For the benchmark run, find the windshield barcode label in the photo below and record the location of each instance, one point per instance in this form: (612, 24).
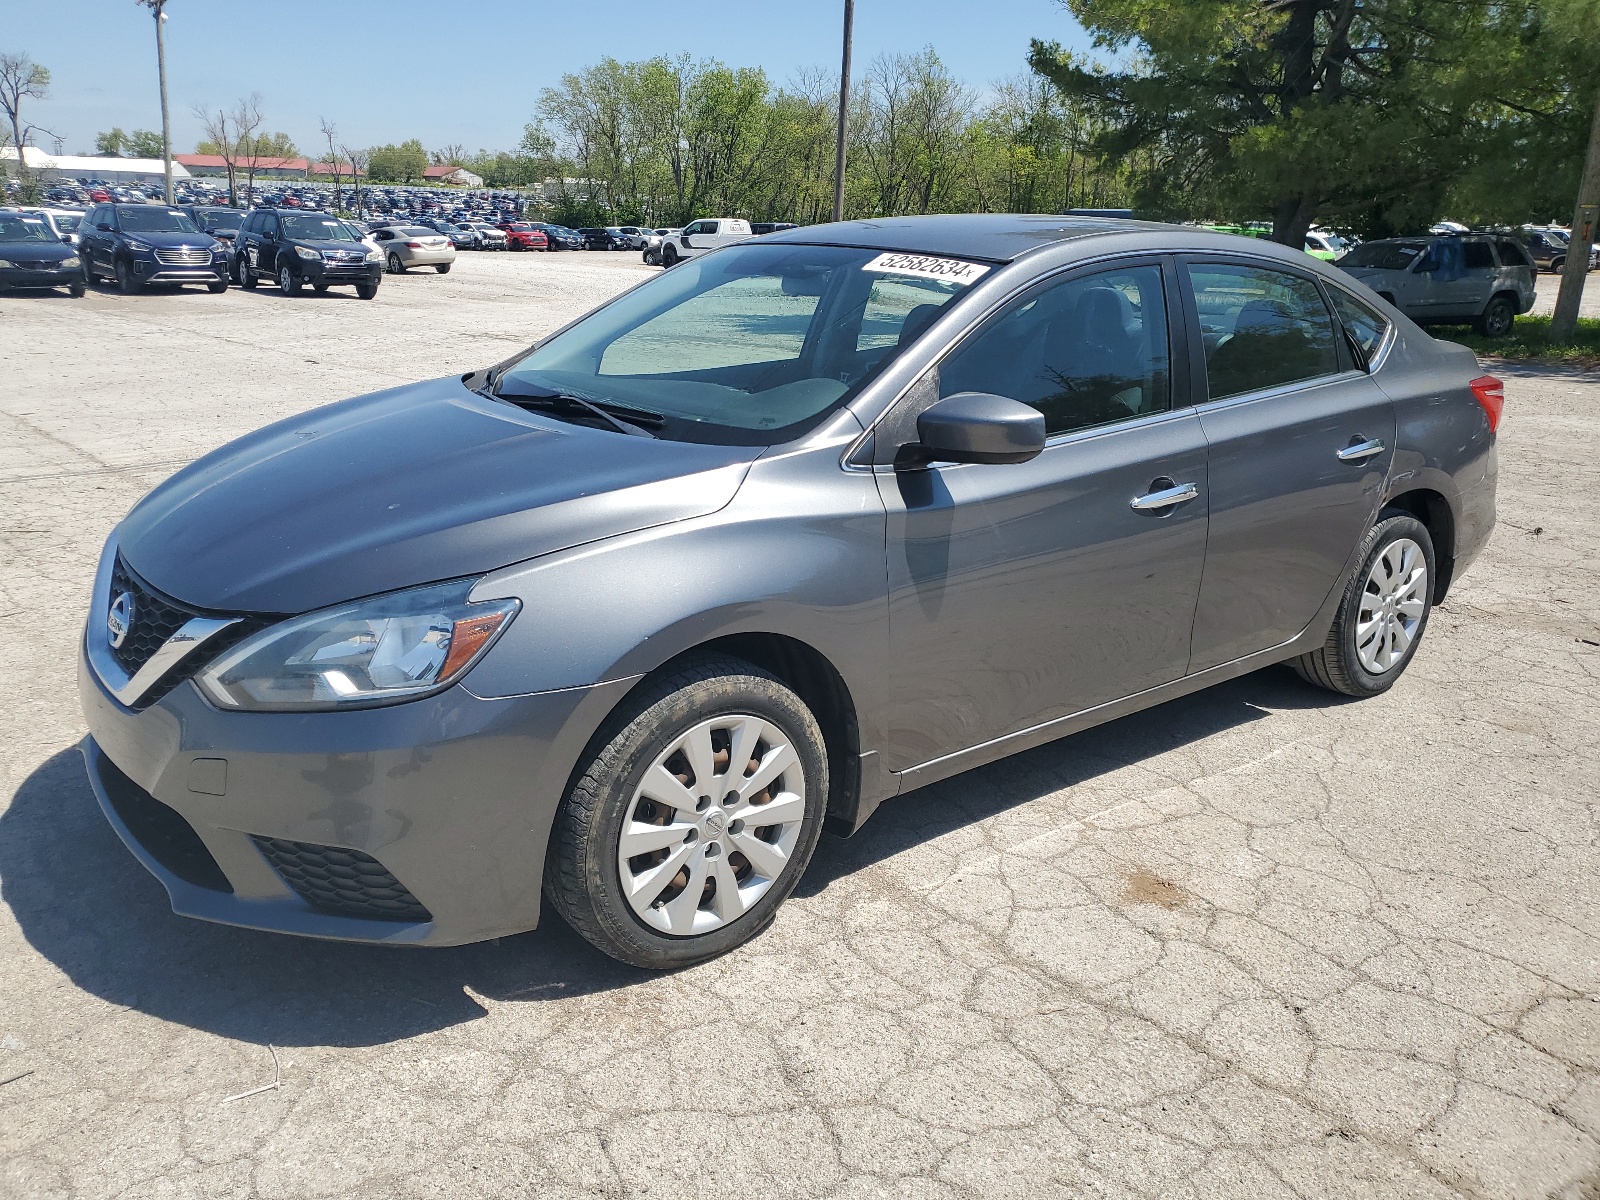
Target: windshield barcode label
(925, 266)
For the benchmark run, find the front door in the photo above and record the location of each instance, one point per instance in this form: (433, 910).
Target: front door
(1301, 441)
(1025, 592)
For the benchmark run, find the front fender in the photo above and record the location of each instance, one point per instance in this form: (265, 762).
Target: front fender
(798, 552)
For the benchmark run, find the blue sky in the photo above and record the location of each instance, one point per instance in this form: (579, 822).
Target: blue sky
(446, 71)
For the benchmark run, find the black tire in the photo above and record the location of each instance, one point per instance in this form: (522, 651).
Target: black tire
(582, 878)
(288, 281)
(1336, 665)
(669, 255)
(77, 288)
(442, 268)
(320, 286)
(126, 280)
(396, 267)
(366, 290)
(1497, 318)
(217, 288)
(90, 275)
(247, 277)
(1557, 265)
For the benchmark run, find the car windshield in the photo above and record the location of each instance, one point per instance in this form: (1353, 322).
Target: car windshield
(1386, 256)
(749, 346)
(307, 228)
(518, 227)
(24, 229)
(145, 219)
(227, 218)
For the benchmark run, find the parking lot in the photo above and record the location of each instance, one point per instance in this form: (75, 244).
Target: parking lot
(1256, 943)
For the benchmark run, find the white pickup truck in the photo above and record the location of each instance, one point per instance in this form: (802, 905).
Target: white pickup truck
(699, 236)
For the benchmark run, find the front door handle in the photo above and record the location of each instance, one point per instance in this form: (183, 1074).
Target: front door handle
(1167, 495)
(1359, 451)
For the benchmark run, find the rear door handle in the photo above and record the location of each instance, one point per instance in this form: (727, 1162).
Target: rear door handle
(1167, 497)
(1361, 451)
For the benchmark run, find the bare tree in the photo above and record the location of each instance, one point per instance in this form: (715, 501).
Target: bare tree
(331, 132)
(358, 167)
(21, 79)
(453, 155)
(222, 133)
(246, 120)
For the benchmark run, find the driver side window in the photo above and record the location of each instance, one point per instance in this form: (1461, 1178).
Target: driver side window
(1092, 350)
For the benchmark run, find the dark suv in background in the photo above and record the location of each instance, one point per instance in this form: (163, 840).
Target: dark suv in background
(296, 248)
(220, 222)
(139, 244)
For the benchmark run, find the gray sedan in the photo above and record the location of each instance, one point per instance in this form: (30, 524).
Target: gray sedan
(622, 622)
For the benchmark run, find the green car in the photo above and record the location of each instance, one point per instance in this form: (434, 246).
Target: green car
(1324, 245)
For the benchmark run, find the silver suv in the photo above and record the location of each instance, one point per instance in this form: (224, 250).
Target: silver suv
(1449, 280)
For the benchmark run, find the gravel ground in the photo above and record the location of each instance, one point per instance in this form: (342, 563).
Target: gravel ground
(1548, 285)
(1256, 943)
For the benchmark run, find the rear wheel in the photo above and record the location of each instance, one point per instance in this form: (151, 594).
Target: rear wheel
(1497, 319)
(442, 268)
(90, 275)
(77, 288)
(694, 821)
(1383, 614)
(247, 277)
(288, 281)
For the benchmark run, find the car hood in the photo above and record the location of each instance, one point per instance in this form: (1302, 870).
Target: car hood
(167, 241)
(37, 251)
(408, 486)
(328, 244)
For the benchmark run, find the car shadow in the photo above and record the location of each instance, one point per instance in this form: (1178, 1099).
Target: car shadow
(926, 813)
(85, 904)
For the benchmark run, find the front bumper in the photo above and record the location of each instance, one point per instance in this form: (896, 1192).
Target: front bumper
(23, 277)
(448, 802)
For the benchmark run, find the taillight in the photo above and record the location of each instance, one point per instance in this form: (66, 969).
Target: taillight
(413, 245)
(1491, 396)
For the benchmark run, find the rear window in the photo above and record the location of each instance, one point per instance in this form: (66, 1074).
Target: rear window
(1365, 327)
(1513, 255)
(1478, 256)
(1385, 256)
(416, 231)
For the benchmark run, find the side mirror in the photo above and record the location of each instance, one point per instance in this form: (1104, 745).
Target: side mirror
(66, 239)
(104, 226)
(978, 427)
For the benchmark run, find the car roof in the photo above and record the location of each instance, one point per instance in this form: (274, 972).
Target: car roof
(998, 237)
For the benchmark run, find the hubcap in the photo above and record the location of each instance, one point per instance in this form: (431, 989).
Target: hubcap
(712, 825)
(284, 279)
(1393, 603)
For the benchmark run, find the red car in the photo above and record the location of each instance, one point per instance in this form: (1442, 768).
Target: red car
(522, 236)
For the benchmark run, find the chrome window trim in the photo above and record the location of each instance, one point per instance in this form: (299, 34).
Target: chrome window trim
(1282, 389)
(128, 690)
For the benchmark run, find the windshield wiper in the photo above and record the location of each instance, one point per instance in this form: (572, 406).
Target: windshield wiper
(621, 417)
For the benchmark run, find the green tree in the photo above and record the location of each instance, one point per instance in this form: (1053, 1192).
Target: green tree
(273, 145)
(397, 164)
(1370, 114)
(114, 143)
(144, 143)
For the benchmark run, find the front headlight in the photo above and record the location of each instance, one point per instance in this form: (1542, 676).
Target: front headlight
(370, 652)
(136, 244)
(71, 261)
(6, 264)
(374, 255)
(314, 255)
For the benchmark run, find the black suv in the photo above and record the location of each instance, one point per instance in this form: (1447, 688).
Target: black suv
(139, 244)
(603, 239)
(220, 221)
(295, 248)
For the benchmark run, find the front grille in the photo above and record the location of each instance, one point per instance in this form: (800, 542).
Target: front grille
(36, 264)
(155, 619)
(346, 883)
(165, 835)
(184, 256)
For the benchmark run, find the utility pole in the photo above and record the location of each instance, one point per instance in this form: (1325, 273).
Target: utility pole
(1564, 325)
(158, 11)
(844, 111)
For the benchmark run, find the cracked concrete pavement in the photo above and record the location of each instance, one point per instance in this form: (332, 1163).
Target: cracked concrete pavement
(1256, 943)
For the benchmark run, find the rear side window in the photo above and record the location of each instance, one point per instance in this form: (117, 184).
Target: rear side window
(1366, 327)
(1089, 351)
(1478, 256)
(1513, 255)
(1262, 328)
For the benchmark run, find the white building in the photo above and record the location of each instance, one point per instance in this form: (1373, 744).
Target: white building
(85, 166)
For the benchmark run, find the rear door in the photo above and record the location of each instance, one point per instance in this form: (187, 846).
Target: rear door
(1300, 438)
(1466, 296)
(1024, 592)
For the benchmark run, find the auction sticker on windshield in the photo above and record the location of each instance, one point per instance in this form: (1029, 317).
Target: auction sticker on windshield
(926, 266)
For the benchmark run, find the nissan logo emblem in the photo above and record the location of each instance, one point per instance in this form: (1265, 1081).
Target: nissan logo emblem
(119, 620)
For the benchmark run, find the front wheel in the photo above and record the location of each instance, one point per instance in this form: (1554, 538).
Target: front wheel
(217, 288)
(77, 288)
(1382, 615)
(126, 280)
(1497, 319)
(396, 267)
(442, 268)
(669, 256)
(694, 821)
(366, 291)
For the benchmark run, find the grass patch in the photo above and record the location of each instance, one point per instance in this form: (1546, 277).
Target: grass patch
(1529, 342)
